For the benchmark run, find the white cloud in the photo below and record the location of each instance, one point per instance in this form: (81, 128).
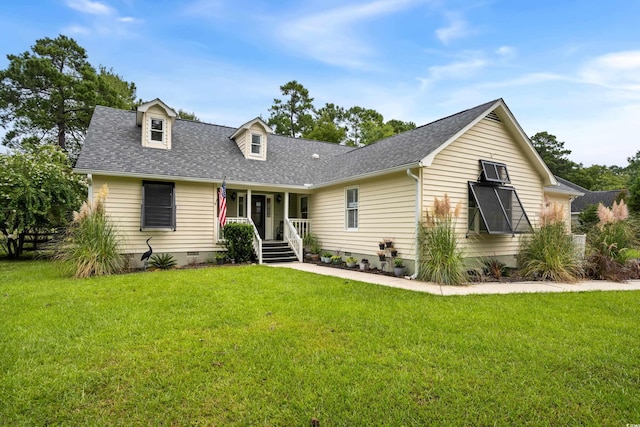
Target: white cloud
(618, 70)
(506, 51)
(90, 7)
(127, 19)
(330, 36)
(462, 69)
(458, 28)
(75, 29)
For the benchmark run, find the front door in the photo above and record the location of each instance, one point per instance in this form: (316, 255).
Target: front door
(258, 213)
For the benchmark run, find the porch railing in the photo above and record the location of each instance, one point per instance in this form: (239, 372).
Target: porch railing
(294, 239)
(257, 241)
(302, 226)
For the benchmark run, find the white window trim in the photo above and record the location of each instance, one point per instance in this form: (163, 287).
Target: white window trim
(152, 142)
(347, 208)
(251, 145)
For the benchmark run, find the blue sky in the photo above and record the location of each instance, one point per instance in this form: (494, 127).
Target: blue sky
(571, 68)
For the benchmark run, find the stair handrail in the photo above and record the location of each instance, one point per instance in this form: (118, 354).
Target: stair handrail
(257, 241)
(294, 239)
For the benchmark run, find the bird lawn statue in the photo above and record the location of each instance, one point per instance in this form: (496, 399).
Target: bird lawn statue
(147, 255)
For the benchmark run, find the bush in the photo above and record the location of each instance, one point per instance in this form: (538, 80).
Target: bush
(441, 260)
(238, 241)
(162, 261)
(549, 253)
(610, 244)
(92, 244)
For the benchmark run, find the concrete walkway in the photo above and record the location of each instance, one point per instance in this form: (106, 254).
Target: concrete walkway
(475, 288)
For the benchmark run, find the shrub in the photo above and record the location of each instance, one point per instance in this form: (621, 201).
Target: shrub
(610, 244)
(162, 261)
(440, 257)
(238, 241)
(494, 268)
(92, 243)
(549, 252)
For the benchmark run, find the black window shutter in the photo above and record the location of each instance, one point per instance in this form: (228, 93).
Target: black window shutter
(158, 205)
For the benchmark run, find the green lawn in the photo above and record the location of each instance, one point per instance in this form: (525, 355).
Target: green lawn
(267, 346)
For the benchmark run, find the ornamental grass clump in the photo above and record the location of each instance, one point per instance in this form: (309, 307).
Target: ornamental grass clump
(549, 253)
(441, 259)
(610, 243)
(92, 244)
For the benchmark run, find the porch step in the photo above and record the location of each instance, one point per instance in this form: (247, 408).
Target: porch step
(273, 252)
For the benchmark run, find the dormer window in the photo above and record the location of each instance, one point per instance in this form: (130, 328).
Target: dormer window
(156, 120)
(252, 139)
(256, 144)
(157, 130)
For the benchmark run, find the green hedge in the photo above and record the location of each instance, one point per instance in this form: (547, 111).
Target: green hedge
(239, 241)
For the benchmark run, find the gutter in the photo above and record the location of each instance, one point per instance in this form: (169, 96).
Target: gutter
(417, 223)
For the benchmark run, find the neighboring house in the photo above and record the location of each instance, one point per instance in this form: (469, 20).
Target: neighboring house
(164, 174)
(587, 198)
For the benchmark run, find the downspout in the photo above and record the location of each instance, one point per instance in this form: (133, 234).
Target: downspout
(417, 223)
(90, 187)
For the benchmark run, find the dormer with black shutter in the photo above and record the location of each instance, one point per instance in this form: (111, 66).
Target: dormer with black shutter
(156, 120)
(252, 138)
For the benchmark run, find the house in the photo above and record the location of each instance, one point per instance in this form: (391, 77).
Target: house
(585, 198)
(164, 174)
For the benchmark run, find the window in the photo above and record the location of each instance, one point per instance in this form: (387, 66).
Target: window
(494, 172)
(352, 208)
(158, 205)
(156, 130)
(256, 144)
(499, 209)
(242, 206)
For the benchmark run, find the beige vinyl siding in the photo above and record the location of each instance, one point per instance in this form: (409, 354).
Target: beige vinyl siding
(386, 209)
(459, 163)
(195, 216)
(241, 140)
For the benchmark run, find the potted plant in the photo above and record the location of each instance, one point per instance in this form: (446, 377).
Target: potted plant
(398, 267)
(364, 264)
(220, 257)
(315, 249)
(382, 255)
(326, 257)
(394, 253)
(388, 243)
(351, 262)
(336, 260)
(381, 245)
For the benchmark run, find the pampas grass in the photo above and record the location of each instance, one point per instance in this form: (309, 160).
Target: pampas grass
(610, 243)
(92, 244)
(549, 252)
(441, 259)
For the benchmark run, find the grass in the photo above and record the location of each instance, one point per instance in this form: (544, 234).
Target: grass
(265, 346)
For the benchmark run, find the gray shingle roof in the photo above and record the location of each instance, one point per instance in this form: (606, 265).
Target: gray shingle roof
(201, 151)
(593, 198)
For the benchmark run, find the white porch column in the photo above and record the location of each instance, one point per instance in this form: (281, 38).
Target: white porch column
(248, 203)
(286, 215)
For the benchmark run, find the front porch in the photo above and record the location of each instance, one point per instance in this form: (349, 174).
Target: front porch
(274, 216)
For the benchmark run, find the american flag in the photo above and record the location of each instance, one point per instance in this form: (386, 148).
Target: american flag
(222, 203)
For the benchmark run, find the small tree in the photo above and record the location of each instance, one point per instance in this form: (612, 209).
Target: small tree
(238, 241)
(37, 190)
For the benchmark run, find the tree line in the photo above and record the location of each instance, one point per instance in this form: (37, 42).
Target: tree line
(296, 116)
(47, 98)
